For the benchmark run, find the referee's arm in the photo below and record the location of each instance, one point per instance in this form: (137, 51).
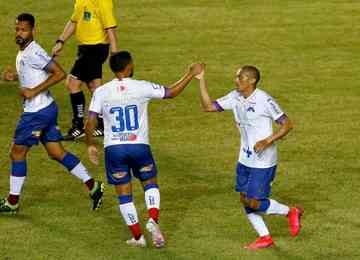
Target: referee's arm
(111, 32)
(69, 30)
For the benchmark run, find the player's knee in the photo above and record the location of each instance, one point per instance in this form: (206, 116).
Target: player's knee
(17, 153)
(253, 203)
(243, 199)
(73, 84)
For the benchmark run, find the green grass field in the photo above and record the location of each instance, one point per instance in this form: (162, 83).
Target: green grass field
(309, 56)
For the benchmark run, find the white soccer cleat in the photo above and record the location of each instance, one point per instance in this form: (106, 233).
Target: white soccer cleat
(156, 235)
(133, 242)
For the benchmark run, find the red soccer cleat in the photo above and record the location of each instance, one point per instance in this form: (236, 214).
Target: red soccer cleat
(294, 220)
(261, 242)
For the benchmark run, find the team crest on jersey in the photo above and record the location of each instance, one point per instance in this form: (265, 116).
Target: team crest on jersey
(121, 88)
(250, 109)
(87, 16)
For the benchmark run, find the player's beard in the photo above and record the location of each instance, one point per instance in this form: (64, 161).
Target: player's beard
(21, 41)
(132, 73)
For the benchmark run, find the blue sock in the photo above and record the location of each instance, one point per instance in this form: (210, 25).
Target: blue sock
(69, 161)
(123, 199)
(150, 186)
(264, 205)
(249, 210)
(18, 168)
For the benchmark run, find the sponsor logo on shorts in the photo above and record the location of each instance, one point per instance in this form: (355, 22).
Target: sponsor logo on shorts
(147, 168)
(124, 137)
(36, 133)
(119, 175)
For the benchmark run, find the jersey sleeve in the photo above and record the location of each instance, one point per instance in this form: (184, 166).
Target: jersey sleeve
(273, 109)
(153, 90)
(95, 103)
(39, 59)
(106, 13)
(76, 15)
(225, 102)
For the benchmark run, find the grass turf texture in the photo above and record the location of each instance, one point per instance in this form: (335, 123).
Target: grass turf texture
(308, 54)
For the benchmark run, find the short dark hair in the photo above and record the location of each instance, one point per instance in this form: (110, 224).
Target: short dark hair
(26, 17)
(251, 71)
(120, 60)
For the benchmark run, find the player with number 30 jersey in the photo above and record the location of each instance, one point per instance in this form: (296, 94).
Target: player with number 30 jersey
(124, 105)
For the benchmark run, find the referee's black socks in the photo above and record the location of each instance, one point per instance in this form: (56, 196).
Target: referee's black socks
(78, 106)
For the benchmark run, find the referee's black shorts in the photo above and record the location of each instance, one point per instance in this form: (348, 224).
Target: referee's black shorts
(89, 61)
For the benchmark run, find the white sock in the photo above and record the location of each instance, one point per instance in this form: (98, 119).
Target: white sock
(129, 214)
(277, 208)
(16, 184)
(81, 172)
(258, 224)
(152, 198)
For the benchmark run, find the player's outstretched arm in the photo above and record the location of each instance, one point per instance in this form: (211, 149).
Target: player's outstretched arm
(206, 103)
(89, 129)
(285, 127)
(68, 31)
(56, 75)
(180, 85)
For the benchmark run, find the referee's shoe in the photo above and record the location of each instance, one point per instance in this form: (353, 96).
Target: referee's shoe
(76, 132)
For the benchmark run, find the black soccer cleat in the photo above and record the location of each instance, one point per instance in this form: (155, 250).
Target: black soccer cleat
(96, 194)
(98, 131)
(74, 133)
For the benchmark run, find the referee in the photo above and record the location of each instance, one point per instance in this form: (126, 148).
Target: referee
(94, 25)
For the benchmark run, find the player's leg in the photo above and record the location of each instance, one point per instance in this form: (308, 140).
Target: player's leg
(144, 168)
(152, 198)
(77, 99)
(128, 212)
(118, 174)
(72, 163)
(98, 56)
(27, 133)
(99, 129)
(261, 181)
(244, 185)
(17, 178)
(51, 139)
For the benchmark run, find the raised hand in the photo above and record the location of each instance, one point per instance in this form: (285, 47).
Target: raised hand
(197, 68)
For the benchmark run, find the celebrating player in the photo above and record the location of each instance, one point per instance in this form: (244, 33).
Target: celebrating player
(37, 72)
(124, 105)
(254, 111)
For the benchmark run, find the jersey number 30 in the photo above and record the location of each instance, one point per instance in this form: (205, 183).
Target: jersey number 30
(125, 118)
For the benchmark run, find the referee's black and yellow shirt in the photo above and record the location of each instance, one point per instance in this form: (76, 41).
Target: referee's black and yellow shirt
(92, 18)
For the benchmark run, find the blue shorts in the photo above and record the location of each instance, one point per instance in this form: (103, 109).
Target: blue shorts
(120, 159)
(38, 126)
(254, 182)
